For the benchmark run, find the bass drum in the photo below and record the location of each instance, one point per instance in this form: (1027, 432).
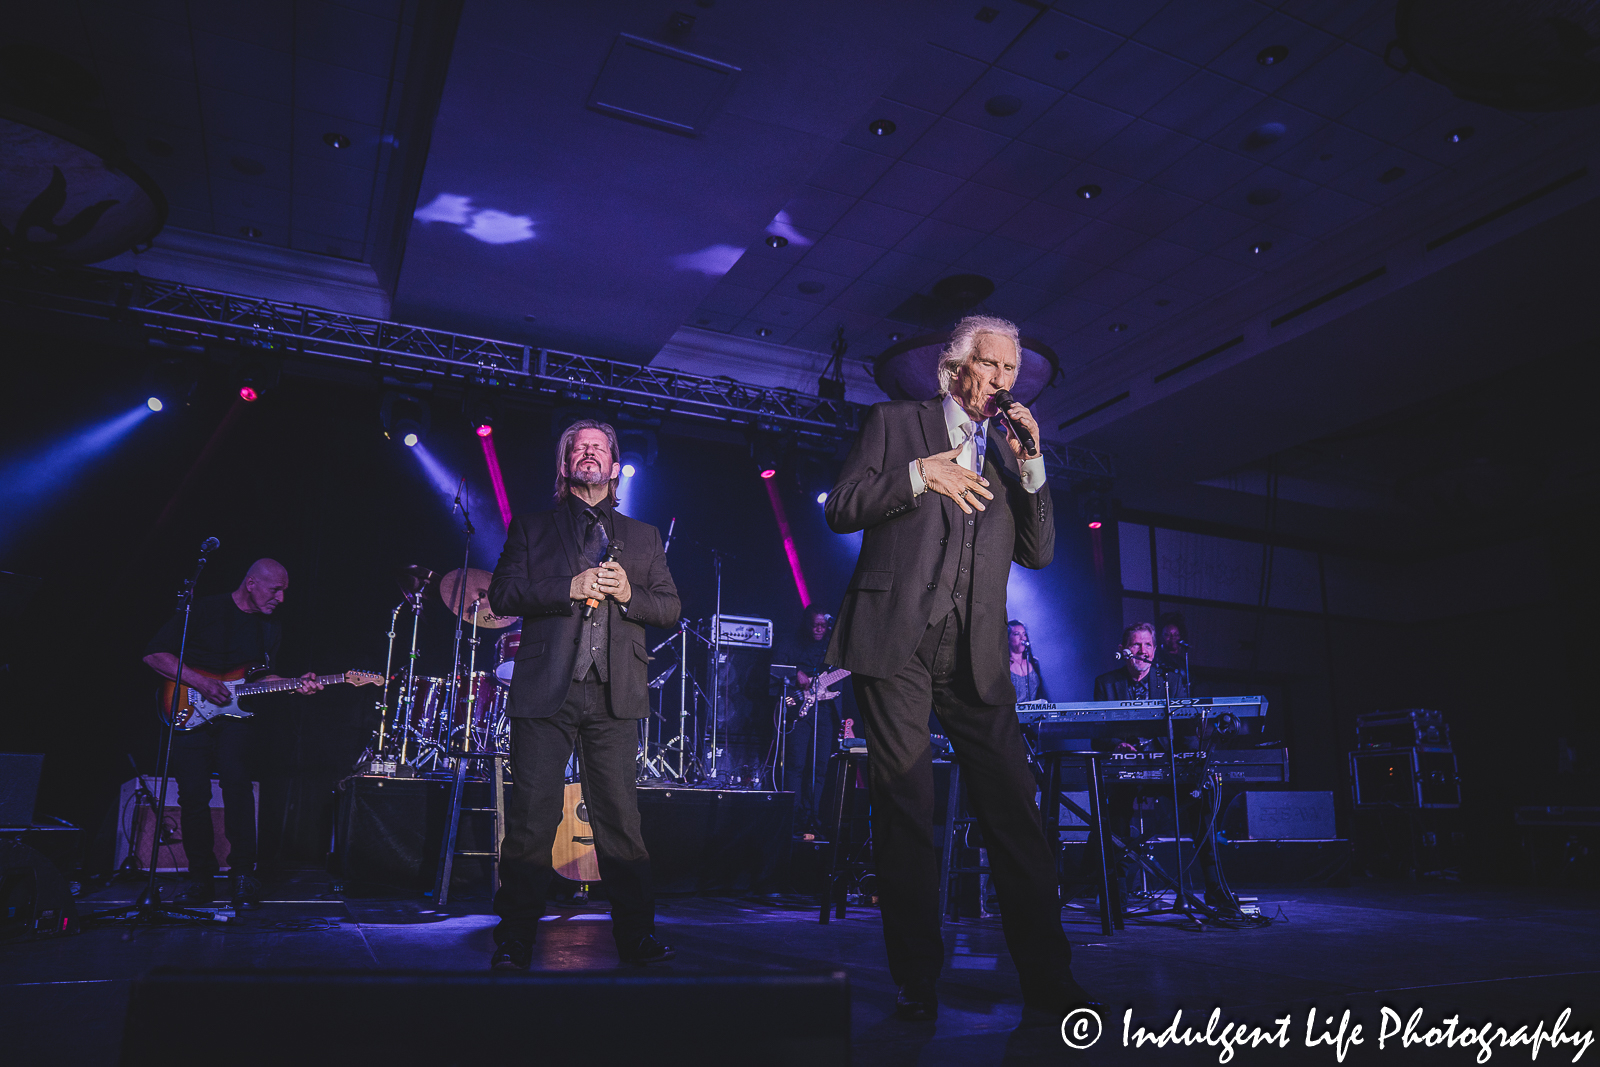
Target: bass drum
(506, 656)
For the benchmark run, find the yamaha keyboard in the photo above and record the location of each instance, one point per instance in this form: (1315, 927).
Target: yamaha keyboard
(1231, 765)
(1115, 711)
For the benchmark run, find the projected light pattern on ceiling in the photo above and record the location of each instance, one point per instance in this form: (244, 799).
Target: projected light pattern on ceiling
(489, 225)
(713, 261)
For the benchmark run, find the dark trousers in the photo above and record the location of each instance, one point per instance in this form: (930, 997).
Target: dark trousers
(806, 751)
(608, 749)
(1000, 788)
(1118, 798)
(220, 746)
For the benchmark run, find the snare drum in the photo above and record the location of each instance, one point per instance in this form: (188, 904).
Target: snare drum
(427, 718)
(506, 650)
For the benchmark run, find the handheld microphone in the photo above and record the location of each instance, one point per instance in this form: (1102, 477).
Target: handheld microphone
(211, 544)
(1003, 399)
(613, 550)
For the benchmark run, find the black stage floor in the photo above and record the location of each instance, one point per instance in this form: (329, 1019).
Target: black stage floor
(1504, 955)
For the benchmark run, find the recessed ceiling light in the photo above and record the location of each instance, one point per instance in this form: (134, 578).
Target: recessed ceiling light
(246, 165)
(336, 140)
(986, 14)
(881, 127)
(1268, 133)
(811, 287)
(1393, 174)
(1275, 54)
(1459, 134)
(1262, 197)
(530, 318)
(1325, 156)
(1063, 54)
(1117, 327)
(702, 322)
(158, 146)
(776, 241)
(249, 231)
(1261, 246)
(1088, 192)
(1003, 106)
(764, 332)
(894, 337)
(1163, 302)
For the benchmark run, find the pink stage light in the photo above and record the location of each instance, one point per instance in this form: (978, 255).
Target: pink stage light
(485, 430)
(788, 540)
(491, 459)
(768, 473)
(247, 393)
(1095, 525)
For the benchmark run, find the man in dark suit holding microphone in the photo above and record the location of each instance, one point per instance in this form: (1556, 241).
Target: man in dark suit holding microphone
(950, 496)
(586, 580)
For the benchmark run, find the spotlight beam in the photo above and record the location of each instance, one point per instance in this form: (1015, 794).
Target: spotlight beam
(491, 459)
(788, 541)
(29, 482)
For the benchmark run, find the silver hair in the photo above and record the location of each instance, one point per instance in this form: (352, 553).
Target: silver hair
(964, 342)
(564, 450)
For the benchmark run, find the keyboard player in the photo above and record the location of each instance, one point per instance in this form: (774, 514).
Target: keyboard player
(1141, 678)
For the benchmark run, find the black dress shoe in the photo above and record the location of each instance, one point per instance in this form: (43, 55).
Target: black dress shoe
(916, 1002)
(511, 956)
(199, 891)
(244, 890)
(648, 950)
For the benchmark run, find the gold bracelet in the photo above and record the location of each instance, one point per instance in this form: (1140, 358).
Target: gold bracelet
(922, 473)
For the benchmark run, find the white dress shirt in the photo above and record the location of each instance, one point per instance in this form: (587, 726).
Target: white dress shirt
(973, 443)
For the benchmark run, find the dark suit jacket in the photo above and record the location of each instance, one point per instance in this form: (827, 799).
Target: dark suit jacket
(891, 595)
(534, 580)
(1113, 685)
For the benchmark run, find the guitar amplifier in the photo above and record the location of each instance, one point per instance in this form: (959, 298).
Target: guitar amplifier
(739, 631)
(1401, 729)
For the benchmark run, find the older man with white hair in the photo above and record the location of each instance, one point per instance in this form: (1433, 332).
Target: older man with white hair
(949, 497)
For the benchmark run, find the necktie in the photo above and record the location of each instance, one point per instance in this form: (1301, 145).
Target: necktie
(595, 540)
(977, 442)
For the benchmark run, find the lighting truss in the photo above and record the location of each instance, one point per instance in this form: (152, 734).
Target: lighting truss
(181, 315)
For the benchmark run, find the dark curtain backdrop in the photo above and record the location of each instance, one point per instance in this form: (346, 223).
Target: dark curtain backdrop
(306, 476)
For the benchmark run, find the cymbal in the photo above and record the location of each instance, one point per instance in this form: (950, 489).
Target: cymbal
(413, 579)
(477, 589)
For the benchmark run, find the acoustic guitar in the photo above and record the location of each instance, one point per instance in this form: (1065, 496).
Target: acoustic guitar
(194, 710)
(572, 856)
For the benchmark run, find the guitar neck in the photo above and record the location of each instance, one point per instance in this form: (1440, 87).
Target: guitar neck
(280, 685)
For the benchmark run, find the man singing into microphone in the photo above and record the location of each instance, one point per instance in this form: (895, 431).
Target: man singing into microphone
(950, 496)
(586, 580)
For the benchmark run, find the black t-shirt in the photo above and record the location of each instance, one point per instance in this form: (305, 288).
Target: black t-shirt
(221, 636)
(803, 652)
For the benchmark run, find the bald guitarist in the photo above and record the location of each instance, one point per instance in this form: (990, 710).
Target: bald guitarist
(229, 635)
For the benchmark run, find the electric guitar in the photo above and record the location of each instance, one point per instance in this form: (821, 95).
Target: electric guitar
(195, 710)
(817, 691)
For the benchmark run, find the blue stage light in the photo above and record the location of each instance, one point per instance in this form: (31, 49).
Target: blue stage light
(154, 403)
(822, 498)
(628, 470)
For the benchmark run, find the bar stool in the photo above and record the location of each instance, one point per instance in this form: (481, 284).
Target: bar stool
(844, 768)
(1050, 813)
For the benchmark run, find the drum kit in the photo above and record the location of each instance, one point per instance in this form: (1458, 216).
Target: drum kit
(424, 720)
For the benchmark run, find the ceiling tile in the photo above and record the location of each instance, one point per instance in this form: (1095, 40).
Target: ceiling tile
(184, 184)
(1492, 130)
(1155, 259)
(1042, 225)
(955, 148)
(1075, 127)
(314, 214)
(221, 153)
(785, 311)
(840, 255)
(334, 90)
(909, 124)
(1101, 243)
(1267, 180)
(1327, 153)
(913, 188)
(1338, 17)
(244, 68)
(761, 330)
(1198, 32)
(187, 219)
(248, 201)
(132, 91)
(729, 299)
(979, 207)
(1339, 81)
(117, 33)
(1205, 172)
(939, 240)
(875, 224)
(831, 285)
(1204, 104)
(934, 78)
(900, 271)
(1070, 314)
(1056, 273)
(813, 208)
(1320, 213)
(1206, 228)
(273, 231)
(344, 37)
(1285, 246)
(1017, 302)
(1250, 137)
(187, 154)
(1305, 44)
(997, 258)
(964, 30)
(310, 128)
(850, 171)
(756, 272)
(1134, 78)
(1364, 181)
(265, 23)
(245, 118)
(1210, 276)
(1163, 301)
(1080, 46)
(1030, 99)
(869, 298)
(1113, 187)
(1150, 210)
(714, 320)
(1118, 16)
(1110, 287)
(1143, 150)
(1023, 169)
